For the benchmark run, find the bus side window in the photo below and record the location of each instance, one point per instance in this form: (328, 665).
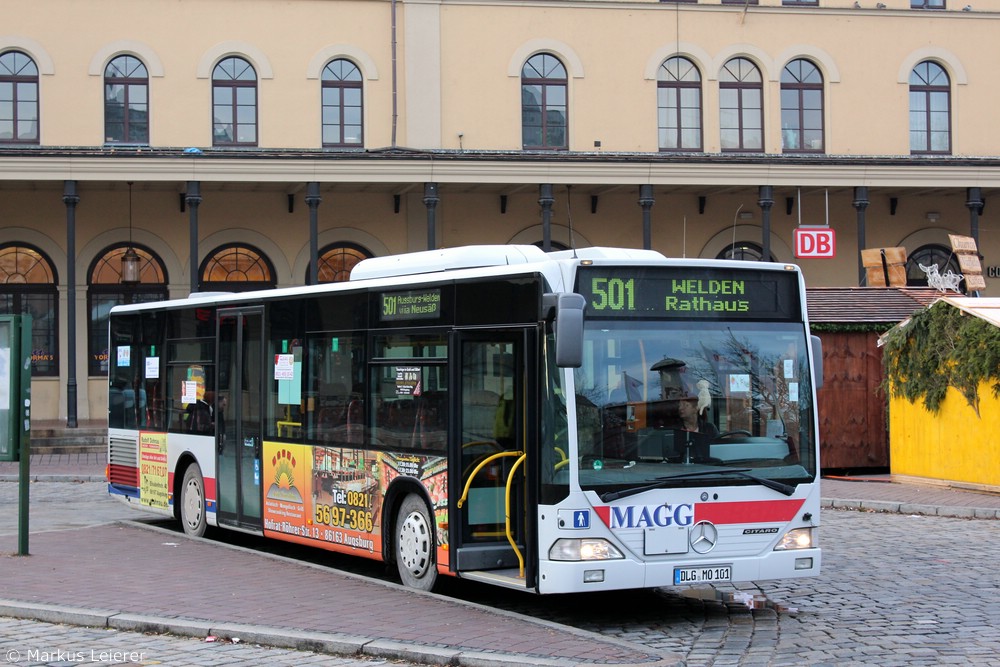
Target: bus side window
(430, 430)
(336, 366)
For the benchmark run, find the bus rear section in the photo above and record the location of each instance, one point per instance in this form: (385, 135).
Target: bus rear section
(695, 450)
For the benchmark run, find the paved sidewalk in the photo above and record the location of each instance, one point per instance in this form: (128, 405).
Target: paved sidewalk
(889, 493)
(140, 578)
(133, 577)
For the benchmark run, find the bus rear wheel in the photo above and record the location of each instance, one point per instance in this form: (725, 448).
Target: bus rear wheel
(193, 502)
(415, 544)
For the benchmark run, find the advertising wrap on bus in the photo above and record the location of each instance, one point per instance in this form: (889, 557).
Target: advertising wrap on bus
(334, 495)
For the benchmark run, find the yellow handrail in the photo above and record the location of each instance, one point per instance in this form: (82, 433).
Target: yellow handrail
(472, 476)
(562, 461)
(510, 536)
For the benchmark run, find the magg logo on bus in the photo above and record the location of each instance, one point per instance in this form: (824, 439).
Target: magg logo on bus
(645, 516)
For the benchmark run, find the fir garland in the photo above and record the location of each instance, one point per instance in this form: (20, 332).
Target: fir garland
(942, 347)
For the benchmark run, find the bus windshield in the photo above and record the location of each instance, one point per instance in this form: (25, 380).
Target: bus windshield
(694, 403)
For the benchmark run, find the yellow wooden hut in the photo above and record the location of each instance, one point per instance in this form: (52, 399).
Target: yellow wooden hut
(943, 372)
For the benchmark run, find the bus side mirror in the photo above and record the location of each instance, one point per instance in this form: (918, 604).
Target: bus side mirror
(817, 346)
(568, 327)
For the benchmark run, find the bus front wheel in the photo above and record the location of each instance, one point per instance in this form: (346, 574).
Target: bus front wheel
(193, 502)
(415, 544)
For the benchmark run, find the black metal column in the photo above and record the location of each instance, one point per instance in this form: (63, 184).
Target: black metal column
(546, 200)
(431, 200)
(646, 201)
(71, 199)
(860, 204)
(765, 200)
(193, 199)
(312, 201)
(974, 202)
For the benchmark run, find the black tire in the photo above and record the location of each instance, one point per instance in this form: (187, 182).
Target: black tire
(415, 544)
(192, 499)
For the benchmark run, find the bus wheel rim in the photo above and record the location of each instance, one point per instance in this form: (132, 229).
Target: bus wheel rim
(193, 505)
(414, 544)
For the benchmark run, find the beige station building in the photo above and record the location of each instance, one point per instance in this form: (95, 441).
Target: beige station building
(236, 144)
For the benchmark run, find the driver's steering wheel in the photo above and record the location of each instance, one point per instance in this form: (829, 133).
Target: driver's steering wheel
(738, 431)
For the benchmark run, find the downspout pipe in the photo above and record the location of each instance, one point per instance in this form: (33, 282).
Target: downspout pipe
(395, 85)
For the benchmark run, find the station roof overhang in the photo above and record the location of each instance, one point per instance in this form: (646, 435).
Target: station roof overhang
(400, 170)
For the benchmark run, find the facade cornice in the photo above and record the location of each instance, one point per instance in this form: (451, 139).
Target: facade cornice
(842, 7)
(463, 167)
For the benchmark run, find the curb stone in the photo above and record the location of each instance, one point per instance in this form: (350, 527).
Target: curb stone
(910, 508)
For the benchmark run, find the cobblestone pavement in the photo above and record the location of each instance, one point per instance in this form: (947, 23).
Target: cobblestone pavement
(24, 643)
(897, 589)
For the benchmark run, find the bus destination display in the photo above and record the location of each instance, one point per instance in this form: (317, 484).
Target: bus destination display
(424, 304)
(695, 293)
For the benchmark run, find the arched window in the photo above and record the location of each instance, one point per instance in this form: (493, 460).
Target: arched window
(741, 108)
(544, 103)
(234, 103)
(801, 108)
(930, 109)
(678, 101)
(28, 286)
(105, 290)
(744, 250)
(336, 261)
(927, 255)
(342, 104)
(126, 101)
(18, 99)
(236, 268)
(554, 246)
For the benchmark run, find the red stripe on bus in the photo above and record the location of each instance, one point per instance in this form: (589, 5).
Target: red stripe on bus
(604, 512)
(765, 511)
(210, 489)
(124, 475)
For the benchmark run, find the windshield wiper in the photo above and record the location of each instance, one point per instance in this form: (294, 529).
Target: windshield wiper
(660, 482)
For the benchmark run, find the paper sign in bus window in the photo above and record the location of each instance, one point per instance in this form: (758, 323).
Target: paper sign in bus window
(284, 366)
(738, 383)
(407, 381)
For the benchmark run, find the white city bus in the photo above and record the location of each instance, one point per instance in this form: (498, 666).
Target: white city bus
(552, 422)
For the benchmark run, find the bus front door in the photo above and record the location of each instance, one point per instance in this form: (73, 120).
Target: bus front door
(239, 401)
(493, 388)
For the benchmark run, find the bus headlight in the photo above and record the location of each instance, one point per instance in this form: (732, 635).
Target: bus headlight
(584, 549)
(798, 538)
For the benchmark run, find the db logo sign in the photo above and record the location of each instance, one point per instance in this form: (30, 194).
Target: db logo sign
(815, 242)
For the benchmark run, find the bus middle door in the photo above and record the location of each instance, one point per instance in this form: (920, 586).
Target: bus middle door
(492, 382)
(241, 384)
